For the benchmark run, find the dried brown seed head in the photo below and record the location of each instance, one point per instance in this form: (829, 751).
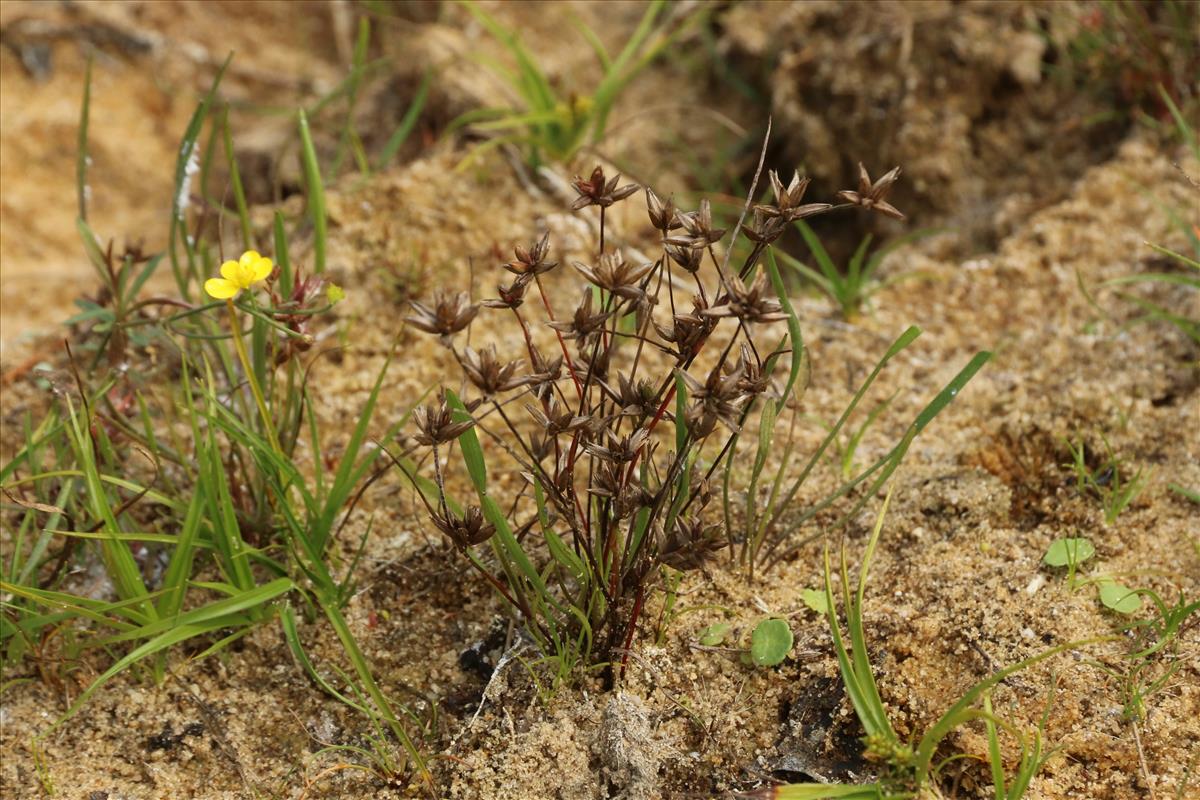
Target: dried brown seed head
(663, 216)
(489, 374)
(620, 449)
(753, 303)
(719, 398)
(688, 331)
(690, 544)
(532, 261)
(627, 496)
(469, 529)
(511, 296)
(873, 196)
(436, 424)
(616, 275)
(787, 200)
(698, 228)
(555, 419)
(545, 372)
(585, 324)
(686, 256)
(638, 398)
(451, 313)
(596, 191)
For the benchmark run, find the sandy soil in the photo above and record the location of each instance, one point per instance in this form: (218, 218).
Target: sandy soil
(957, 588)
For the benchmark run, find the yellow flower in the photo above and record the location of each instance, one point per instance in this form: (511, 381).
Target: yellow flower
(237, 275)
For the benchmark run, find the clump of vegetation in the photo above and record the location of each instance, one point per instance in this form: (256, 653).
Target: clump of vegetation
(1127, 50)
(1109, 481)
(542, 122)
(1181, 270)
(182, 454)
(628, 421)
(850, 288)
(909, 769)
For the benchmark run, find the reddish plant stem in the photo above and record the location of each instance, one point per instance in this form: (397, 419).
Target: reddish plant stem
(561, 341)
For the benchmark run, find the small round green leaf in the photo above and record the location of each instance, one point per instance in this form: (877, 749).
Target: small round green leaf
(815, 599)
(1119, 598)
(1065, 552)
(770, 642)
(714, 634)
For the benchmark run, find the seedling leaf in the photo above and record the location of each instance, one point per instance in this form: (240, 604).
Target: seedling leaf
(770, 642)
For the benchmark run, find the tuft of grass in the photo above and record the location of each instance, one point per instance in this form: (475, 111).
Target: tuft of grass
(1108, 482)
(544, 123)
(850, 288)
(909, 768)
(624, 433)
(206, 491)
(1187, 273)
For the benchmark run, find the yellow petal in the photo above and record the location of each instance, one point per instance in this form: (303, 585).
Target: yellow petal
(262, 268)
(231, 271)
(249, 258)
(221, 288)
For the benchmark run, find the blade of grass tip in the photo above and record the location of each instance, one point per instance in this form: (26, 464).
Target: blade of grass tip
(616, 76)
(185, 167)
(171, 637)
(407, 123)
(118, 560)
(179, 568)
(824, 261)
(904, 340)
(343, 479)
(281, 257)
(891, 462)
(1185, 130)
(948, 721)
(858, 637)
(235, 178)
(363, 669)
(291, 634)
(856, 277)
(995, 759)
(354, 83)
(472, 452)
(795, 333)
(222, 611)
(316, 192)
(846, 667)
(81, 156)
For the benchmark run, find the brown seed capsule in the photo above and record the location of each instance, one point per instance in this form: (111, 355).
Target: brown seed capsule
(689, 545)
(451, 313)
(511, 296)
(585, 324)
(698, 228)
(873, 196)
(596, 191)
(663, 216)
(469, 529)
(787, 199)
(614, 274)
(532, 261)
(489, 374)
(751, 303)
(436, 424)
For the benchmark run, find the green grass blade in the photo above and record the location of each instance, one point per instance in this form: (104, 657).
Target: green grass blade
(235, 178)
(281, 257)
(81, 155)
(316, 192)
(407, 123)
(184, 167)
(824, 261)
